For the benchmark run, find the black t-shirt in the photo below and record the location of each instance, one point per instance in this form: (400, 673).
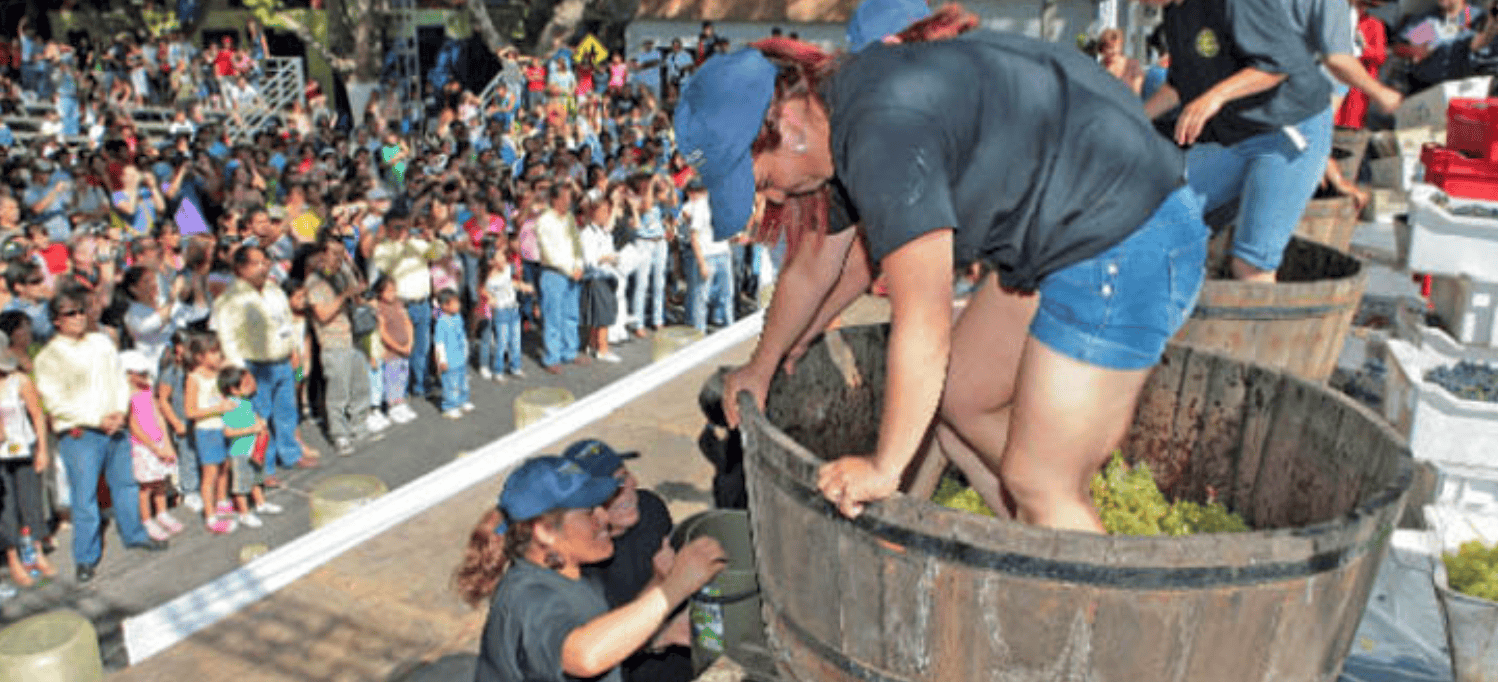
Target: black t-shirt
(625, 574)
(533, 611)
(1210, 40)
(1035, 156)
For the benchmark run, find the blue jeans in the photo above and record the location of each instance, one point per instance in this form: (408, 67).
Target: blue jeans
(500, 339)
(189, 477)
(455, 386)
(716, 291)
(421, 344)
(1118, 309)
(275, 402)
(88, 455)
(651, 273)
(559, 317)
(1271, 176)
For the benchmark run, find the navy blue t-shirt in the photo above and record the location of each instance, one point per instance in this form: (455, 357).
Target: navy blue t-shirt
(1035, 156)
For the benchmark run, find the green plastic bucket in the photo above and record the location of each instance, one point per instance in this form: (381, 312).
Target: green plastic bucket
(60, 646)
(725, 613)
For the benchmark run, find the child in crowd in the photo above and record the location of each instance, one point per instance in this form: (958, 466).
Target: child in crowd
(395, 339)
(500, 304)
(600, 276)
(451, 344)
(23, 459)
(205, 406)
(152, 457)
(171, 381)
(296, 298)
(241, 427)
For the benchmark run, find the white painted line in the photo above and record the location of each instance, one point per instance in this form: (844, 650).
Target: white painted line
(154, 631)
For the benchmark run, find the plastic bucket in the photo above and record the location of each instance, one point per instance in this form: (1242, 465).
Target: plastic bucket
(60, 646)
(725, 613)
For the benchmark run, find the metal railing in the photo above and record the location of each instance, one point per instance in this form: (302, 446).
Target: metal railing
(281, 84)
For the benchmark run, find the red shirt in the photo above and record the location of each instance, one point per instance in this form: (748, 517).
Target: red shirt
(535, 78)
(56, 258)
(223, 64)
(476, 233)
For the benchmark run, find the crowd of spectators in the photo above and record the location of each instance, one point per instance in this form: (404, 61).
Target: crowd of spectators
(326, 268)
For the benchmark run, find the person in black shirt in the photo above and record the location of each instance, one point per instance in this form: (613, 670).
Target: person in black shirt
(984, 146)
(640, 525)
(1255, 110)
(526, 555)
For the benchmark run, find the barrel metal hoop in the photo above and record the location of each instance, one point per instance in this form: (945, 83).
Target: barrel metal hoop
(1300, 312)
(1116, 577)
(837, 658)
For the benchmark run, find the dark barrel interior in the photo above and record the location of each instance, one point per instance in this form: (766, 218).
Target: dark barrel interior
(911, 591)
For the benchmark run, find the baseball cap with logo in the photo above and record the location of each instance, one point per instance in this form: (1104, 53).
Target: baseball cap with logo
(596, 457)
(550, 482)
(721, 111)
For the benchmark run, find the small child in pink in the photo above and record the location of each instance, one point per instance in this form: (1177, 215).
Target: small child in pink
(152, 457)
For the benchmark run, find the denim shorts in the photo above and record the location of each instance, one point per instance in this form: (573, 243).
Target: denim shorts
(1118, 308)
(210, 446)
(1271, 176)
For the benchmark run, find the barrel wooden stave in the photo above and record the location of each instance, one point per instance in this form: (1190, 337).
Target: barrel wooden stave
(1297, 324)
(891, 621)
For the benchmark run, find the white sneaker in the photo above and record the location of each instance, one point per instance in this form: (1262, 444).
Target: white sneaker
(249, 520)
(193, 501)
(468, 407)
(485, 373)
(269, 508)
(154, 530)
(518, 374)
(410, 413)
(400, 416)
(610, 357)
(455, 413)
(499, 378)
(344, 446)
(376, 422)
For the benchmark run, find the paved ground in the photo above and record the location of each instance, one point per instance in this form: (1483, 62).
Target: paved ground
(132, 581)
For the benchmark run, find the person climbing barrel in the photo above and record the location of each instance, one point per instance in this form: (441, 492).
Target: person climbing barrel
(947, 147)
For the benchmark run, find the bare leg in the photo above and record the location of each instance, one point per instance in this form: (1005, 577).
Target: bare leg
(987, 346)
(1068, 415)
(209, 490)
(1248, 273)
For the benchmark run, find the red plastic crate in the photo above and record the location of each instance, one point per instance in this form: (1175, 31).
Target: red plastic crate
(1472, 127)
(1458, 175)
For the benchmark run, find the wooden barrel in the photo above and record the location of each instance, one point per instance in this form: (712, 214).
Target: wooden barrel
(1329, 222)
(1297, 324)
(1348, 149)
(913, 592)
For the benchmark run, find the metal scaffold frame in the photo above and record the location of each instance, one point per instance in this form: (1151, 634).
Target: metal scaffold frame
(407, 59)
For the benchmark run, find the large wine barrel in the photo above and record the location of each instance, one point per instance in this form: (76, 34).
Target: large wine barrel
(910, 591)
(1329, 222)
(1297, 324)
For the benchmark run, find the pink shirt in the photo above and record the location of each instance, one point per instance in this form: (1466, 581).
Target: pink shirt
(143, 411)
(446, 276)
(530, 247)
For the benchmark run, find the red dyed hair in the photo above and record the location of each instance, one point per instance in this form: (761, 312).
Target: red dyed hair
(803, 69)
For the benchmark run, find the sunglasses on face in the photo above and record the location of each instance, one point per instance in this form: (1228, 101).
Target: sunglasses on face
(64, 314)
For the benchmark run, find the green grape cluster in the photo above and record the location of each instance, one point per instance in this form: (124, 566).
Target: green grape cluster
(954, 495)
(1127, 499)
(1130, 503)
(1473, 570)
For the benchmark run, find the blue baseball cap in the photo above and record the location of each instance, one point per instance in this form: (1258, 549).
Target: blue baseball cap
(873, 20)
(550, 482)
(720, 112)
(596, 457)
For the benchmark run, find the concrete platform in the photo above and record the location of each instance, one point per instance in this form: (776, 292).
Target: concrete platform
(386, 610)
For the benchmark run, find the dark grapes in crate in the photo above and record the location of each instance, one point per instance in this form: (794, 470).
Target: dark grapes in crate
(1467, 380)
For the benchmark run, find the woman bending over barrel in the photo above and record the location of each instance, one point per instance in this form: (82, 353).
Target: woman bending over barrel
(985, 146)
(547, 622)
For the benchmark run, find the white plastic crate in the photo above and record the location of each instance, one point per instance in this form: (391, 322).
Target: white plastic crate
(1442, 428)
(1438, 241)
(1465, 307)
(1428, 107)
